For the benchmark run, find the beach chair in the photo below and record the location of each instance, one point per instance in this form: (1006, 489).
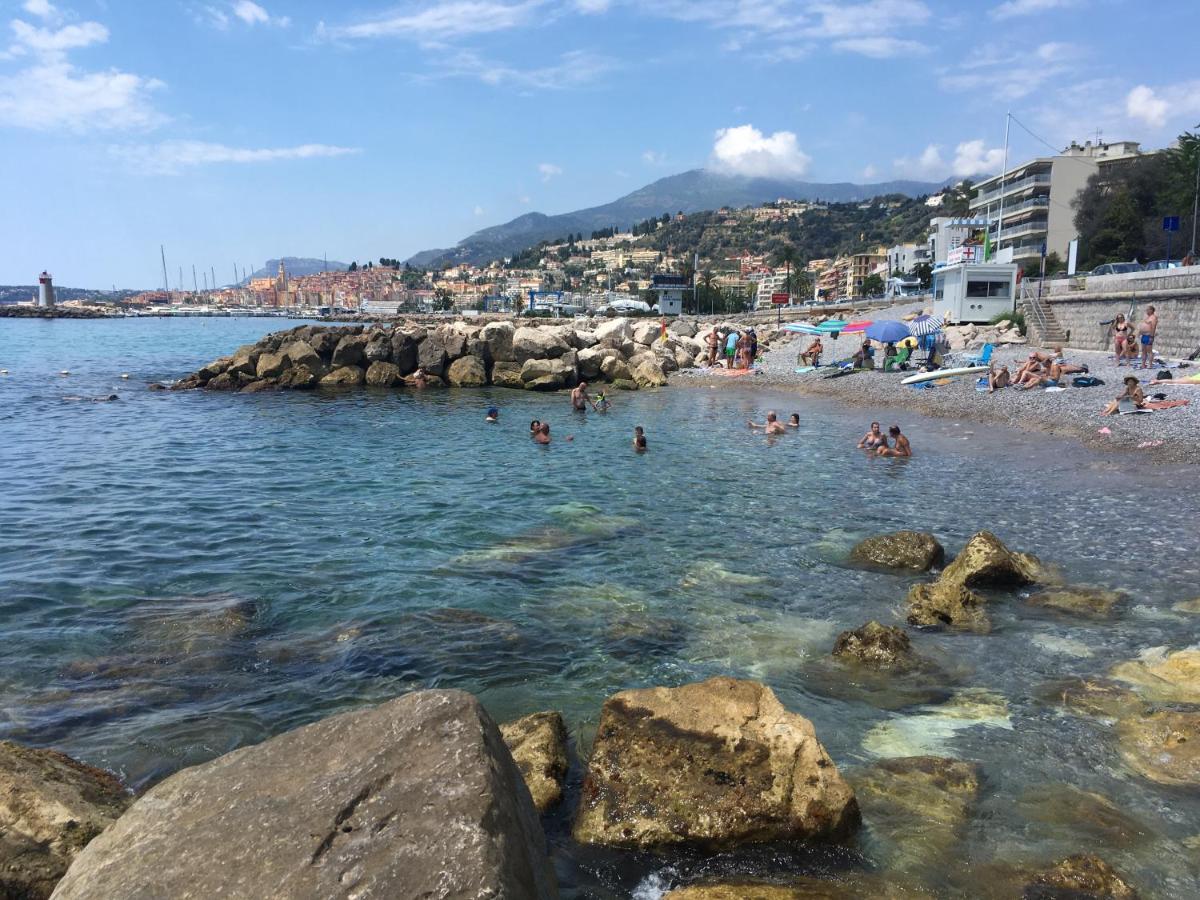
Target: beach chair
(982, 358)
(899, 359)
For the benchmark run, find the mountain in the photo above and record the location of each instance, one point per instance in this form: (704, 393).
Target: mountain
(299, 265)
(689, 192)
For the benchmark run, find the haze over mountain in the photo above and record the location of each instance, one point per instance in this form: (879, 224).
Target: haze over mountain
(688, 192)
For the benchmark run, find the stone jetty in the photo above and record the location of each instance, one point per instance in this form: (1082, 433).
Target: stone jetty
(628, 353)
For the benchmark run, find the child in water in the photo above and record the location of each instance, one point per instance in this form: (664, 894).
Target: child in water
(493, 415)
(639, 439)
(601, 402)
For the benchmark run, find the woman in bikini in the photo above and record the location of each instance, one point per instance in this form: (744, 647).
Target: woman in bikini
(1122, 332)
(873, 439)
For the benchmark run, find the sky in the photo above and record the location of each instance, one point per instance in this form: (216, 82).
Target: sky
(233, 131)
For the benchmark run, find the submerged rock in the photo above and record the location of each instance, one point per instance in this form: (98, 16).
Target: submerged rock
(1162, 676)
(416, 797)
(1162, 746)
(915, 809)
(1064, 809)
(1187, 606)
(943, 604)
(877, 646)
(715, 764)
(986, 561)
(1080, 877)
(538, 744)
(51, 807)
(852, 886)
(1096, 603)
(1095, 697)
(915, 550)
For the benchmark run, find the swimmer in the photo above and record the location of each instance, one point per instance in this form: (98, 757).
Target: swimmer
(873, 439)
(771, 426)
(902, 448)
(535, 426)
(493, 415)
(794, 422)
(580, 398)
(542, 435)
(602, 403)
(639, 439)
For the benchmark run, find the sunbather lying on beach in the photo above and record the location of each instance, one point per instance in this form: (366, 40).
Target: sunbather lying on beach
(1060, 366)
(771, 426)
(902, 448)
(1132, 393)
(998, 378)
(873, 439)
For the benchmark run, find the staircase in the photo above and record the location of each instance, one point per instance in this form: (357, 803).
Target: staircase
(1040, 324)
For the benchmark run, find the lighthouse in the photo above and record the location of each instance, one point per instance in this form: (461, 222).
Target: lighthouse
(45, 291)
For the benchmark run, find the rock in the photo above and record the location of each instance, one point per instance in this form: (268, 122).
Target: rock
(666, 361)
(537, 343)
(499, 339)
(538, 743)
(737, 891)
(256, 387)
(684, 359)
(646, 333)
(942, 605)
(1162, 746)
(614, 332)
(588, 361)
(417, 797)
(1097, 698)
(404, 352)
(624, 384)
(507, 374)
(844, 886)
(431, 356)
(272, 365)
(299, 378)
(383, 374)
(1187, 606)
(682, 327)
(1063, 809)
(715, 764)
(50, 808)
(245, 360)
(916, 809)
(649, 373)
(615, 369)
(547, 374)
(468, 371)
(228, 381)
(349, 351)
(301, 353)
(325, 342)
(582, 340)
(1080, 877)
(915, 550)
(345, 375)
(1092, 602)
(877, 646)
(1162, 676)
(454, 341)
(986, 561)
(378, 349)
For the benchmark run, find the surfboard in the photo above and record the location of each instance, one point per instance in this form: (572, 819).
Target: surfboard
(943, 373)
(802, 369)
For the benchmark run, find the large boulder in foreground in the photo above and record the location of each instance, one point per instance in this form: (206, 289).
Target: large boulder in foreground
(50, 808)
(715, 764)
(1080, 877)
(467, 371)
(538, 743)
(1162, 746)
(986, 561)
(915, 550)
(417, 797)
(537, 343)
(382, 374)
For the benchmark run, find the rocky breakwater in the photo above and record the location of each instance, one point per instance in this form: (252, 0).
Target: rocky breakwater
(545, 357)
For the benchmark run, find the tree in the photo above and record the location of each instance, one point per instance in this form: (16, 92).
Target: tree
(1119, 237)
(924, 273)
(442, 299)
(872, 285)
(353, 267)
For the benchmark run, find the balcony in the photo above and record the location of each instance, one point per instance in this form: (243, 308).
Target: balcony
(1009, 234)
(1033, 203)
(1012, 187)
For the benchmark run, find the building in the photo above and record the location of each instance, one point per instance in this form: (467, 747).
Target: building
(768, 284)
(903, 258)
(948, 233)
(669, 290)
(1030, 205)
(858, 268)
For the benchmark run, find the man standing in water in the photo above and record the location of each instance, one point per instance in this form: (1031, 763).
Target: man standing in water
(580, 398)
(902, 446)
(772, 425)
(1146, 333)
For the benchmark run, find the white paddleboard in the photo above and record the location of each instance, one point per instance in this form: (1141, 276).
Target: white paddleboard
(943, 373)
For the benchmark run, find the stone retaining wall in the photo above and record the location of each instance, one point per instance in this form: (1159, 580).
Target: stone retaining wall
(1178, 318)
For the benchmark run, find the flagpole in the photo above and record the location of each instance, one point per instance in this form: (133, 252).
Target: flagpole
(1003, 175)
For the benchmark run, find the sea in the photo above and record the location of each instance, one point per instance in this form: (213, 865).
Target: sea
(185, 573)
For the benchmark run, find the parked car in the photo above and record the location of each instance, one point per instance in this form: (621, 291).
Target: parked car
(1162, 264)
(1116, 269)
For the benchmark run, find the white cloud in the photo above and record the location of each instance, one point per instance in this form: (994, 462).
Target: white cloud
(1013, 8)
(549, 170)
(439, 21)
(994, 74)
(172, 157)
(50, 92)
(744, 150)
(478, 210)
(870, 173)
(43, 9)
(854, 20)
(1144, 104)
(928, 165)
(654, 157)
(574, 69)
(253, 14)
(881, 47)
(592, 7)
(970, 158)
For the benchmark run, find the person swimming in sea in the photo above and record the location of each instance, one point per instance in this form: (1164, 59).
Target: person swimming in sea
(602, 403)
(535, 426)
(873, 439)
(542, 435)
(639, 439)
(902, 446)
(771, 426)
(794, 422)
(493, 415)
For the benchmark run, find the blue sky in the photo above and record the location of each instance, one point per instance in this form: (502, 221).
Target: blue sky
(233, 131)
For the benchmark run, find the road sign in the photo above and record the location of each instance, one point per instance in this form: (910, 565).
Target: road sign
(1170, 223)
(780, 299)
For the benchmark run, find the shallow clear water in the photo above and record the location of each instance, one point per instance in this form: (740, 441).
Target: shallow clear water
(185, 573)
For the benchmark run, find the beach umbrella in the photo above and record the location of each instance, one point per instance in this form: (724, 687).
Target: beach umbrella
(923, 325)
(802, 328)
(832, 325)
(856, 327)
(887, 331)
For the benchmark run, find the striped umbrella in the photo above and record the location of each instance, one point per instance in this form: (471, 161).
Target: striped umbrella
(923, 325)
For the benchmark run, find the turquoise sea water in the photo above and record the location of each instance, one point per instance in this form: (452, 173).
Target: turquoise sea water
(185, 573)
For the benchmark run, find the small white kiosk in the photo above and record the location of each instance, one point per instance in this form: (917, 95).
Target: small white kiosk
(974, 292)
(670, 290)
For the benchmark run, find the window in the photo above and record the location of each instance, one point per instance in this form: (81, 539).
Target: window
(988, 288)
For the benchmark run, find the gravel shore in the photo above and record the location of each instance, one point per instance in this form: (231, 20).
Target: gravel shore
(1165, 436)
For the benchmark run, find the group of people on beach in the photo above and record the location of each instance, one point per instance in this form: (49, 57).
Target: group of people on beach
(539, 430)
(1038, 370)
(874, 441)
(739, 348)
(1126, 347)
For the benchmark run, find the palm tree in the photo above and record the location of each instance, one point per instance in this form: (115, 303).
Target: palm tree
(706, 279)
(788, 256)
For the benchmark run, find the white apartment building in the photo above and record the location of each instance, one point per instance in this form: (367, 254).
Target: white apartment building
(1030, 204)
(902, 258)
(948, 233)
(768, 284)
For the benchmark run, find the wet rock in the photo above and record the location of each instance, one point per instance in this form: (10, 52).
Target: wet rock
(468, 371)
(228, 381)
(349, 351)
(1064, 809)
(932, 731)
(538, 744)
(417, 797)
(615, 369)
(432, 356)
(1187, 606)
(714, 764)
(1162, 676)
(51, 807)
(1080, 877)
(738, 890)
(877, 646)
(915, 809)
(245, 360)
(1162, 746)
(256, 387)
(942, 604)
(299, 378)
(1081, 600)
(915, 550)
(986, 561)
(845, 886)
(1095, 697)
(378, 349)
(349, 375)
(641, 636)
(624, 384)
(507, 374)
(383, 374)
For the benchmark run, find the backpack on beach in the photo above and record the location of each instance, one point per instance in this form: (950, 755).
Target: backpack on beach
(1086, 381)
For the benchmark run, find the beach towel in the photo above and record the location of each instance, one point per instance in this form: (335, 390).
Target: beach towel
(1165, 404)
(1054, 389)
(732, 373)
